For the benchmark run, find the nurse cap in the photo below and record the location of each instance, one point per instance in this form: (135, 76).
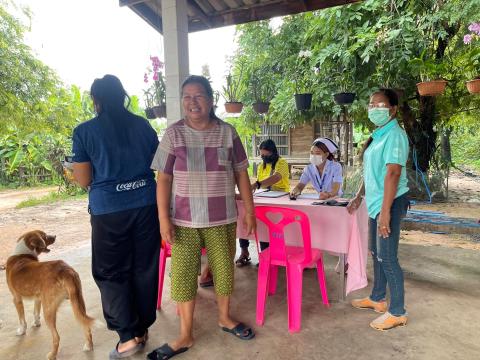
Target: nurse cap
(329, 143)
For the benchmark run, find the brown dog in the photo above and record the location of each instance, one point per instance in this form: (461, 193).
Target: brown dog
(48, 283)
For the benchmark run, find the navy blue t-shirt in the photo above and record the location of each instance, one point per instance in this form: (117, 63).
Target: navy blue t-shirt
(120, 149)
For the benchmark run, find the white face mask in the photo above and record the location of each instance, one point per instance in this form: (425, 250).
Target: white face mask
(316, 159)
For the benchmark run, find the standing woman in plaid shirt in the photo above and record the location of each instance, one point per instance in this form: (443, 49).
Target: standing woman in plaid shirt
(199, 160)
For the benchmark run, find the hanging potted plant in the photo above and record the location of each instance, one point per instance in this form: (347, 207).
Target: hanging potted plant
(346, 81)
(263, 90)
(344, 77)
(430, 72)
(232, 93)
(303, 81)
(473, 64)
(155, 95)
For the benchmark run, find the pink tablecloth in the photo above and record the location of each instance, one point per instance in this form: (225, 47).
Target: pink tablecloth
(333, 229)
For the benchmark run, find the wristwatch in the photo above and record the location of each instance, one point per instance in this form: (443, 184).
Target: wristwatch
(258, 184)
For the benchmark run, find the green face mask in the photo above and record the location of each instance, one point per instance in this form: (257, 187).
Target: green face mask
(379, 116)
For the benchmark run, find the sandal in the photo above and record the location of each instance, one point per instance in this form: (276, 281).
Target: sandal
(206, 284)
(165, 352)
(241, 331)
(243, 260)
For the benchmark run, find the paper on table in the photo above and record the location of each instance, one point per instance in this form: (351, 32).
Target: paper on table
(312, 196)
(270, 194)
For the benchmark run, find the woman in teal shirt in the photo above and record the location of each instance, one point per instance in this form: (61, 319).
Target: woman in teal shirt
(385, 188)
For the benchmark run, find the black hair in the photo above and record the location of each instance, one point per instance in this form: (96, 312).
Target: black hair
(269, 145)
(205, 83)
(108, 92)
(392, 97)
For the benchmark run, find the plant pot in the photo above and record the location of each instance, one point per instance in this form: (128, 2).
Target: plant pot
(303, 101)
(431, 88)
(261, 107)
(160, 111)
(473, 86)
(149, 113)
(233, 107)
(344, 98)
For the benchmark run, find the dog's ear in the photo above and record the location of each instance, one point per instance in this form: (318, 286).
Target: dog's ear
(34, 241)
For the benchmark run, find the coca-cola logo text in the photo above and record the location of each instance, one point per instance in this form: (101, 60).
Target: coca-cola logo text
(132, 185)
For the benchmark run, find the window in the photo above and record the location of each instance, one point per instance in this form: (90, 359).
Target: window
(274, 132)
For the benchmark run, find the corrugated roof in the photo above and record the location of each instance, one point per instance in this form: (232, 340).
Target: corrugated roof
(209, 14)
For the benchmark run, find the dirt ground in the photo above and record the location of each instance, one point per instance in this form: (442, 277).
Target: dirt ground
(69, 220)
(441, 274)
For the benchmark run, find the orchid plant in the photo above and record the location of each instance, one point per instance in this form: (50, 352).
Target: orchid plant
(155, 94)
(304, 73)
(473, 40)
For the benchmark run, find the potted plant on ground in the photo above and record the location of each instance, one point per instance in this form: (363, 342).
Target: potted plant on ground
(473, 58)
(303, 81)
(430, 72)
(155, 94)
(232, 93)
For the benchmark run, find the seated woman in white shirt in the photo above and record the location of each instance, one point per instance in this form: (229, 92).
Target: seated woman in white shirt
(323, 172)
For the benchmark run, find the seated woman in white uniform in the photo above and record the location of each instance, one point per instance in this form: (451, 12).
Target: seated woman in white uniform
(323, 172)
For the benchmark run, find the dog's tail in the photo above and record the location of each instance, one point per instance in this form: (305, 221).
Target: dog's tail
(73, 287)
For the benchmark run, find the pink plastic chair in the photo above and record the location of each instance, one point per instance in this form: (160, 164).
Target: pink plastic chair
(294, 258)
(165, 252)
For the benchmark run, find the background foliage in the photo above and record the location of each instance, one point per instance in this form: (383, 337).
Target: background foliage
(364, 46)
(37, 111)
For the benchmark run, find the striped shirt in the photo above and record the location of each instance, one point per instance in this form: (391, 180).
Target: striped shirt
(203, 164)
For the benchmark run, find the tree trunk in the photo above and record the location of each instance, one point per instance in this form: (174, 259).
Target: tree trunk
(421, 134)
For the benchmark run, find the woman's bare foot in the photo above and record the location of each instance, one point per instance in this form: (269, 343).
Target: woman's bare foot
(181, 342)
(143, 339)
(229, 323)
(127, 345)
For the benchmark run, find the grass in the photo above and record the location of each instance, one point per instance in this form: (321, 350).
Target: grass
(52, 197)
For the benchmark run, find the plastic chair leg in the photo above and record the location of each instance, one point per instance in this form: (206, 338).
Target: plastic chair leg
(272, 281)
(322, 282)
(294, 297)
(161, 275)
(262, 286)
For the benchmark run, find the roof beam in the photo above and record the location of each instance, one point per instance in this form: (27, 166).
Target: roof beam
(149, 15)
(199, 13)
(131, 2)
(262, 11)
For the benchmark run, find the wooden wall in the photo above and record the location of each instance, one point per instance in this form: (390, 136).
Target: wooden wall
(301, 138)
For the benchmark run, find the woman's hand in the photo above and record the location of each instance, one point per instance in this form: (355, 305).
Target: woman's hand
(253, 186)
(354, 204)
(250, 223)
(324, 195)
(383, 224)
(295, 192)
(167, 230)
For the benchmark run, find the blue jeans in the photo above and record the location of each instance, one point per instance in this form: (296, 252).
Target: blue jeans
(386, 269)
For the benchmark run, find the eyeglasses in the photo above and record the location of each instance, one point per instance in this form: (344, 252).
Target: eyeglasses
(199, 97)
(378, 105)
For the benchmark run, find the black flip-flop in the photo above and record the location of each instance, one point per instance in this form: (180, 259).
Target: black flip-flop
(241, 331)
(206, 284)
(243, 261)
(165, 352)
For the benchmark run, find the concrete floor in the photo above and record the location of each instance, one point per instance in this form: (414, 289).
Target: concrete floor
(442, 294)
